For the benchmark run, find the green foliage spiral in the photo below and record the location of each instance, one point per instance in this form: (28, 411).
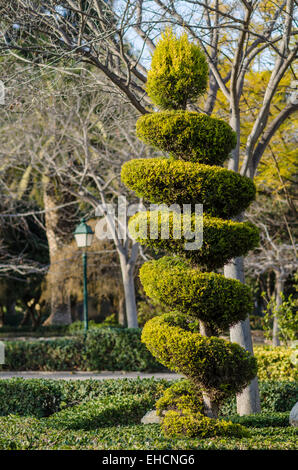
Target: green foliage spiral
(204, 303)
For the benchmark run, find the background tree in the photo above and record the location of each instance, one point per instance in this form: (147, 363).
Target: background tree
(66, 150)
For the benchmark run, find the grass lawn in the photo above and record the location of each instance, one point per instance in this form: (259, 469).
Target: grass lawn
(26, 433)
(106, 416)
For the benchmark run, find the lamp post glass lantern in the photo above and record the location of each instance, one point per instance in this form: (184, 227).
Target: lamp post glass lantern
(84, 235)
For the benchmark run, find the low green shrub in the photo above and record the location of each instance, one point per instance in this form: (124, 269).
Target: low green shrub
(118, 349)
(104, 349)
(263, 420)
(223, 193)
(186, 424)
(181, 395)
(171, 82)
(43, 397)
(113, 410)
(274, 363)
(36, 397)
(78, 326)
(210, 297)
(222, 239)
(188, 135)
(51, 354)
(24, 433)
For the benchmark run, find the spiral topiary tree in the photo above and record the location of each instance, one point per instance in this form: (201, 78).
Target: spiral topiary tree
(204, 302)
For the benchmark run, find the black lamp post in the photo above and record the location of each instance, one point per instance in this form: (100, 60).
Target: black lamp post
(84, 235)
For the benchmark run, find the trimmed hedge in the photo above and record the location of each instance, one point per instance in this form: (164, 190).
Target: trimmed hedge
(104, 349)
(171, 81)
(218, 367)
(113, 410)
(30, 397)
(214, 299)
(43, 397)
(70, 354)
(274, 363)
(222, 239)
(184, 423)
(19, 433)
(223, 193)
(188, 135)
(181, 395)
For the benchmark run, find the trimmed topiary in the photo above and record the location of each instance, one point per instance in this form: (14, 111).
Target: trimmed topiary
(210, 297)
(222, 239)
(220, 368)
(223, 193)
(188, 135)
(205, 303)
(178, 73)
(181, 395)
(184, 423)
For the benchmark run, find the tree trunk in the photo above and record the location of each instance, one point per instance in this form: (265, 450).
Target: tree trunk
(279, 285)
(248, 402)
(121, 312)
(129, 292)
(60, 300)
(211, 408)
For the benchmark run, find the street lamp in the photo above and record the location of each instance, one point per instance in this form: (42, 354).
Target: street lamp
(83, 235)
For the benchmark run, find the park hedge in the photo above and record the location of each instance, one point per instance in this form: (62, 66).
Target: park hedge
(103, 349)
(44, 397)
(119, 349)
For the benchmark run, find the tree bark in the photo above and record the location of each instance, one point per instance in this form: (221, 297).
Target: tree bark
(248, 402)
(60, 300)
(121, 312)
(129, 292)
(210, 407)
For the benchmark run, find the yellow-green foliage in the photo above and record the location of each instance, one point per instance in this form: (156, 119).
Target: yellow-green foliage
(178, 72)
(188, 135)
(222, 192)
(210, 297)
(181, 395)
(184, 423)
(214, 365)
(274, 363)
(222, 240)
